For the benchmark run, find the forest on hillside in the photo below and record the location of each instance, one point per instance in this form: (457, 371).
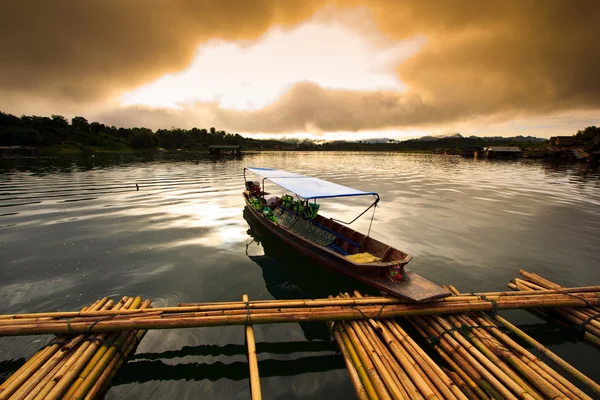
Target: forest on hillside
(55, 131)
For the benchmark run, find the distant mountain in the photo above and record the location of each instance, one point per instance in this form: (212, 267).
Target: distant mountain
(371, 140)
(378, 140)
(520, 138)
(433, 138)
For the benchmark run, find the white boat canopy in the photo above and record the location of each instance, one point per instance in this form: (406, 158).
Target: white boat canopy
(305, 186)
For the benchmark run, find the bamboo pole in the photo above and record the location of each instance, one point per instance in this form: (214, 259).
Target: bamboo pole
(421, 379)
(376, 358)
(276, 304)
(538, 280)
(252, 360)
(464, 359)
(532, 361)
(366, 361)
(576, 316)
(546, 352)
(115, 364)
(401, 387)
(110, 371)
(405, 385)
(490, 349)
(281, 316)
(356, 373)
(421, 384)
(461, 384)
(548, 386)
(86, 371)
(25, 378)
(435, 373)
(75, 362)
(501, 381)
(465, 374)
(360, 368)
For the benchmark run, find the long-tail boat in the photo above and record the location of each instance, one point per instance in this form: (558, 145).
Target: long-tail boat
(329, 242)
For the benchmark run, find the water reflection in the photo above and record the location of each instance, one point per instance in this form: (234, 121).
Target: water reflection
(158, 370)
(73, 229)
(289, 274)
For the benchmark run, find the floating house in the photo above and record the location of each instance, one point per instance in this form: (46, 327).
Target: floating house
(220, 149)
(562, 141)
(471, 150)
(506, 152)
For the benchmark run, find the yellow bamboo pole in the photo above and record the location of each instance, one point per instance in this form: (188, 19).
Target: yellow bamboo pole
(366, 361)
(489, 348)
(360, 368)
(86, 371)
(412, 372)
(538, 280)
(252, 360)
(355, 371)
(376, 358)
(546, 352)
(402, 387)
(435, 373)
(531, 361)
(20, 385)
(455, 364)
(405, 385)
(70, 368)
(24, 373)
(280, 316)
(461, 384)
(462, 357)
(478, 360)
(277, 304)
(501, 381)
(110, 371)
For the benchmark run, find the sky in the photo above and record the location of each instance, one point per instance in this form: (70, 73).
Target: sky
(323, 69)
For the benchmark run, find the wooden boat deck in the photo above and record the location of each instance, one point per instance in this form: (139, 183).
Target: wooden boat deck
(412, 287)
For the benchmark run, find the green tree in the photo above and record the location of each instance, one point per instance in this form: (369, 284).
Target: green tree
(80, 124)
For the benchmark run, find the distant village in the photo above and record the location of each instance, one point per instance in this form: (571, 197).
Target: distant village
(34, 136)
(559, 148)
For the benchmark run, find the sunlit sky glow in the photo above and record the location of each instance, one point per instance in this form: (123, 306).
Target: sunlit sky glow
(323, 69)
(243, 77)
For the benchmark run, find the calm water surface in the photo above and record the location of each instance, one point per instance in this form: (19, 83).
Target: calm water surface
(73, 230)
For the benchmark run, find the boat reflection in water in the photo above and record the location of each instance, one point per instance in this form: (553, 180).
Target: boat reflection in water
(290, 275)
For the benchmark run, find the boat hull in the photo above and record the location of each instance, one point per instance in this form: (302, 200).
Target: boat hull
(413, 287)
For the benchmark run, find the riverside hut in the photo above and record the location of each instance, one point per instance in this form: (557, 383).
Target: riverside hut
(503, 152)
(220, 149)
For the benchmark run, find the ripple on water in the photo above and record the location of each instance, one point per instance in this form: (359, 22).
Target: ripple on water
(74, 230)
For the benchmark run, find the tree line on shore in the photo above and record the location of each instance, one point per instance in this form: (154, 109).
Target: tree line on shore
(56, 130)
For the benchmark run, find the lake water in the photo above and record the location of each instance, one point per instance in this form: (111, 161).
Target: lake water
(73, 230)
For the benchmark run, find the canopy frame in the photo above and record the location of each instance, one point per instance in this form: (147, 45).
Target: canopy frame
(289, 175)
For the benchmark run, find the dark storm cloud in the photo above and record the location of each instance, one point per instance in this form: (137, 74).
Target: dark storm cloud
(495, 58)
(78, 50)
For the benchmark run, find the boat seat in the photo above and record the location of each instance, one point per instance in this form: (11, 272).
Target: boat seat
(336, 234)
(338, 249)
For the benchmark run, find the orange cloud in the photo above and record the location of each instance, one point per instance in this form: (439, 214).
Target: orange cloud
(496, 59)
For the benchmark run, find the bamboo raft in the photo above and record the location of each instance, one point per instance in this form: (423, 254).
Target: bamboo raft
(481, 361)
(454, 348)
(77, 366)
(585, 319)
